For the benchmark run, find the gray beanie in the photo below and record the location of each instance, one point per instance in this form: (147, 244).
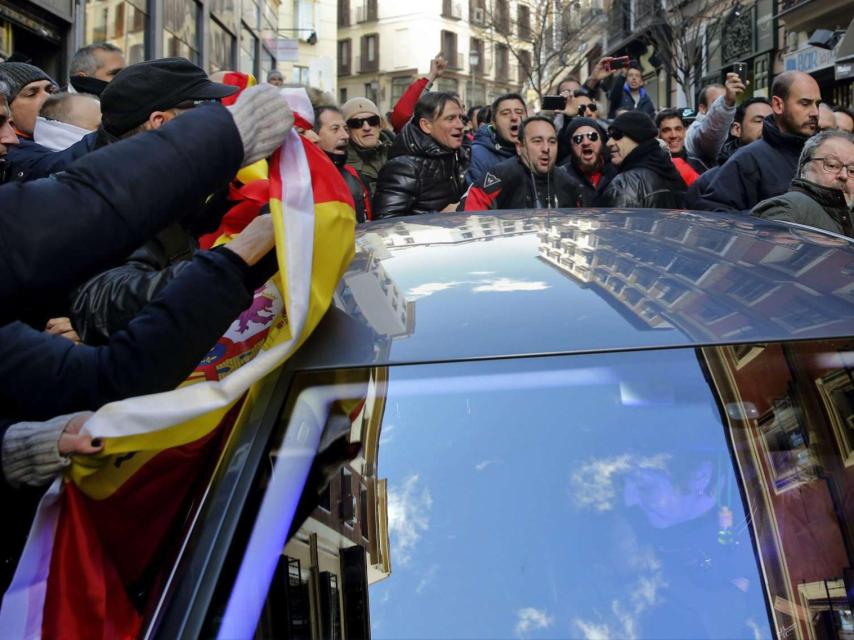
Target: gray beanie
(19, 74)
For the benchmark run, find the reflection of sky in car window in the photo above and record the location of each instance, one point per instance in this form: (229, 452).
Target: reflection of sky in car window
(507, 284)
(599, 503)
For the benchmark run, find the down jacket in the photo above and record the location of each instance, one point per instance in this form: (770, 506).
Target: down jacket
(647, 179)
(487, 150)
(420, 176)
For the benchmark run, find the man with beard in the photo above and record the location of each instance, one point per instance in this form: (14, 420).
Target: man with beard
(529, 180)
(671, 129)
(765, 168)
(496, 142)
(588, 162)
(647, 177)
(333, 137)
(367, 152)
(823, 193)
(426, 167)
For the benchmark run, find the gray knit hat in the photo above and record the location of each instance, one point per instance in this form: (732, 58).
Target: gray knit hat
(19, 74)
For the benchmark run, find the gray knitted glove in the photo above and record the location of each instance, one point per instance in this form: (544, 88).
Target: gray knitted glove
(30, 452)
(263, 119)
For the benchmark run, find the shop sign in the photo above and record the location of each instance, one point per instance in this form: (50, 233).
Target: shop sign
(809, 59)
(284, 49)
(844, 70)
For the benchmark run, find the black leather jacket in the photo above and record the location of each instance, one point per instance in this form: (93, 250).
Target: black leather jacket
(420, 176)
(647, 180)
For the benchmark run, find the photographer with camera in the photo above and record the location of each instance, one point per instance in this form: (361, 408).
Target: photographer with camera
(715, 113)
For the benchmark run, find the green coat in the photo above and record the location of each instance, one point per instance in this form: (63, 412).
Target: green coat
(809, 204)
(368, 162)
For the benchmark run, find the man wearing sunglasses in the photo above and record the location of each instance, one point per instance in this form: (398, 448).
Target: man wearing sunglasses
(367, 152)
(822, 195)
(579, 104)
(588, 162)
(647, 177)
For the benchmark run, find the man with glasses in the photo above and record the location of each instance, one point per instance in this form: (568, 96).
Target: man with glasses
(367, 152)
(589, 162)
(823, 193)
(579, 104)
(144, 97)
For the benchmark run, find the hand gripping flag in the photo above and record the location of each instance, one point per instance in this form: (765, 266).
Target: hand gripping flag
(102, 533)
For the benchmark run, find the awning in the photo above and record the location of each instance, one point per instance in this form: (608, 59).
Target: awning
(846, 47)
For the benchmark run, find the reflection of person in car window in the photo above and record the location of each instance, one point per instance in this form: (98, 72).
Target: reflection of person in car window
(666, 502)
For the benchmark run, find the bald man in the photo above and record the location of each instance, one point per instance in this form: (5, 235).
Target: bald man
(765, 168)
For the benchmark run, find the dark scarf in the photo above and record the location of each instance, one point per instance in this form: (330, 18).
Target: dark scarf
(338, 159)
(650, 155)
(85, 84)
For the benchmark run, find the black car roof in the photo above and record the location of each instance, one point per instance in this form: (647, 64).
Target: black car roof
(465, 286)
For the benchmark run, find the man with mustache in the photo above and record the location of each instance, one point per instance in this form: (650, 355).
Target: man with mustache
(589, 161)
(529, 180)
(765, 168)
(333, 138)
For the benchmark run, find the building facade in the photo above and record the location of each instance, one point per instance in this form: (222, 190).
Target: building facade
(215, 34)
(308, 37)
(384, 46)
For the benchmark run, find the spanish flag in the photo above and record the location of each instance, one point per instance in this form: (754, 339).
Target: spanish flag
(106, 532)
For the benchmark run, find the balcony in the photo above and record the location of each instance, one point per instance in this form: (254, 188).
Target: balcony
(363, 65)
(452, 10)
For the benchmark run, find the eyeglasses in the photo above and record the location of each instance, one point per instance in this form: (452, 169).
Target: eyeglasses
(590, 135)
(192, 104)
(614, 134)
(587, 107)
(834, 166)
(357, 123)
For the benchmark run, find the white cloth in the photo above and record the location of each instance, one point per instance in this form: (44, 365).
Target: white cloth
(56, 135)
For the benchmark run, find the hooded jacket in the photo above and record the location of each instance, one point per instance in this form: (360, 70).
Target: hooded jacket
(420, 176)
(810, 204)
(512, 185)
(760, 170)
(487, 150)
(625, 100)
(647, 179)
(357, 188)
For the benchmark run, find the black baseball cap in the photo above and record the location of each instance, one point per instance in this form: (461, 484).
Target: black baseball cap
(155, 85)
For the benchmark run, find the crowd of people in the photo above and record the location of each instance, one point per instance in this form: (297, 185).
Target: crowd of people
(110, 181)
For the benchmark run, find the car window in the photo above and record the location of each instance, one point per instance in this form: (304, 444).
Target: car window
(682, 493)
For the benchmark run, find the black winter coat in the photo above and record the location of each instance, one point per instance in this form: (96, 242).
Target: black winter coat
(29, 160)
(646, 179)
(511, 185)
(55, 234)
(758, 171)
(420, 176)
(589, 193)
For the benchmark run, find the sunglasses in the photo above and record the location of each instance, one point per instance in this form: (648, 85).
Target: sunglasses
(357, 123)
(587, 107)
(579, 138)
(615, 135)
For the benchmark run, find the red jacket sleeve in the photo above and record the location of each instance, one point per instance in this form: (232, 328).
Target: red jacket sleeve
(479, 200)
(404, 108)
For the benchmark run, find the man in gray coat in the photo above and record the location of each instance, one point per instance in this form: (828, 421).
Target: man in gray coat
(716, 110)
(822, 194)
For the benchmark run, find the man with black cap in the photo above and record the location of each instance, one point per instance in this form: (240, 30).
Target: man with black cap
(144, 97)
(647, 177)
(29, 88)
(588, 162)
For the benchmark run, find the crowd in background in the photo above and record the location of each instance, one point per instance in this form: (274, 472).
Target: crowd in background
(113, 180)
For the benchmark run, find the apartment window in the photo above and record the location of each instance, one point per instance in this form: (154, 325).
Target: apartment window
(250, 12)
(523, 19)
(372, 92)
(248, 49)
(476, 44)
(343, 13)
(222, 47)
(449, 49)
(299, 75)
(502, 61)
(180, 29)
(524, 66)
(370, 53)
(367, 12)
(120, 23)
(344, 54)
(225, 12)
(452, 9)
(477, 12)
(502, 17)
(399, 86)
(342, 95)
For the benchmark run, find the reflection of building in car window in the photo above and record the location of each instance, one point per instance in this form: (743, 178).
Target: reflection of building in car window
(794, 453)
